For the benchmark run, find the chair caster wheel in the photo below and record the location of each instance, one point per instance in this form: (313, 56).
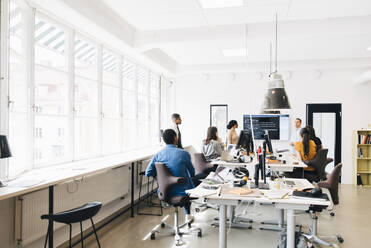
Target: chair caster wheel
(197, 210)
(153, 236)
(332, 214)
(189, 224)
(213, 225)
(162, 225)
(340, 239)
(199, 234)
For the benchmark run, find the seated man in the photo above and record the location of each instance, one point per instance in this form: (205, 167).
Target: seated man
(179, 163)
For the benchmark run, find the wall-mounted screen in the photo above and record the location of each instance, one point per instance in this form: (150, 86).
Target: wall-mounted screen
(278, 126)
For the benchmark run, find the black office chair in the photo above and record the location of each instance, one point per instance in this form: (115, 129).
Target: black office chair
(87, 211)
(332, 184)
(166, 181)
(319, 163)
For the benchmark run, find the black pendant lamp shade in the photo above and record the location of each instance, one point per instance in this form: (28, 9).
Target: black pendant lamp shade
(276, 97)
(4, 147)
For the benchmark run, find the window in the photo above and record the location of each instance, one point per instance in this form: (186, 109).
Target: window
(51, 91)
(86, 98)
(143, 106)
(19, 74)
(111, 103)
(154, 122)
(71, 97)
(129, 105)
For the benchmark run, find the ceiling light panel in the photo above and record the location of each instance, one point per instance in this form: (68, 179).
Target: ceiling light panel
(211, 4)
(234, 52)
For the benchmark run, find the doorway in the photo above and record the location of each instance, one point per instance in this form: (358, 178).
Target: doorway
(325, 118)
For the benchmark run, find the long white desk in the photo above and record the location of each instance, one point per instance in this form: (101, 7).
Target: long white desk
(290, 205)
(54, 175)
(291, 163)
(230, 164)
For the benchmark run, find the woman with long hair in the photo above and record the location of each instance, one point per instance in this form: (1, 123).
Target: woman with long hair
(232, 134)
(306, 148)
(212, 147)
(312, 136)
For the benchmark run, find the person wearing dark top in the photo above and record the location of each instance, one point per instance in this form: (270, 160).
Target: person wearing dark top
(177, 121)
(312, 136)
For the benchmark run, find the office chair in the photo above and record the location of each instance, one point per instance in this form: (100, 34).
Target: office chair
(201, 165)
(202, 169)
(166, 181)
(332, 184)
(319, 163)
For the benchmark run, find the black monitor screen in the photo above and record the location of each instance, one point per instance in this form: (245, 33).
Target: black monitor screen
(245, 141)
(278, 126)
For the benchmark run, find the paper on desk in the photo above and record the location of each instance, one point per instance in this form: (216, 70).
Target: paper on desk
(276, 194)
(200, 192)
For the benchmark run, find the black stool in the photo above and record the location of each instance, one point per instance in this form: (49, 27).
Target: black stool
(75, 215)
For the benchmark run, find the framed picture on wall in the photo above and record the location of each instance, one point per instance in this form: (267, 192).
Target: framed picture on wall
(219, 119)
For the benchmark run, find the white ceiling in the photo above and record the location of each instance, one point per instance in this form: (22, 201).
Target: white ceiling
(188, 35)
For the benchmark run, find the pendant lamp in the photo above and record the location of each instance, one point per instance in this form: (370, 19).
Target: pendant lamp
(276, 97)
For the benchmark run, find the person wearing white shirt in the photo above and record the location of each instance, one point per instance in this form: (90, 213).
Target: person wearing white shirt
(295, 134)
(177, 120)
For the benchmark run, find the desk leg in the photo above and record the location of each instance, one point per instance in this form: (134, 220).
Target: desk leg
(132, 191)
(223, 226)
(281, 218)
(51, 211)
(290, 228)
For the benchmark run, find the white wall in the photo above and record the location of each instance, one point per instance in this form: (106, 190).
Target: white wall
(244, 92)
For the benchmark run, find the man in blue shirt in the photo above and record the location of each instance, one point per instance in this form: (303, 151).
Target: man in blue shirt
(180, 165)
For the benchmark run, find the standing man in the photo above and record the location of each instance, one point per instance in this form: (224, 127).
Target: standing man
(295, 134)
(176, 122)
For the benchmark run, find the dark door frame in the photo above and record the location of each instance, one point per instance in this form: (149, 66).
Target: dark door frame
(328, 108)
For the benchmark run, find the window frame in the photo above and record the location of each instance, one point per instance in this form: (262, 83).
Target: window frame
(70, 34)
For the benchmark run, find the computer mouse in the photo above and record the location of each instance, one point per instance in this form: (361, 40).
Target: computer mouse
(316, 192)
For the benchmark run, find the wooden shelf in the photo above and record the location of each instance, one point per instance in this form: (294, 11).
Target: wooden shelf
(361, 166)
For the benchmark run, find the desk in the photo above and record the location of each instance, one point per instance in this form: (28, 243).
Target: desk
(230, 164)
(290, 164)
(290, 205)
(55, 175)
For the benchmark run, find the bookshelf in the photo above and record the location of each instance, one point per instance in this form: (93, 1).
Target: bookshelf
(362, 156)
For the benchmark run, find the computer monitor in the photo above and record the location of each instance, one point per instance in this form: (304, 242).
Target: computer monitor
(260, 167)
(245, 141)
(268, 141)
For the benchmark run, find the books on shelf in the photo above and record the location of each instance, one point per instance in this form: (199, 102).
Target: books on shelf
(360, 153)
(364, 139)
